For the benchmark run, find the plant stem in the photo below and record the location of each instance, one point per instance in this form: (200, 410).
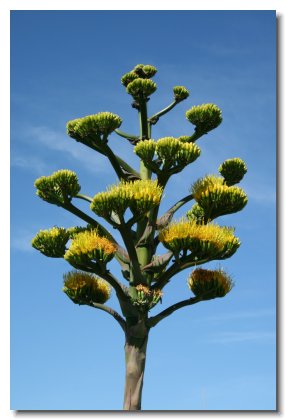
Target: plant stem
(77, 212)
(113, 160)
(127, 167)
(126, 135)
(154, 119)
(84, 197)
(168, 311)
(143, 252)
(135, 358)
(110, 311)
(135, 274)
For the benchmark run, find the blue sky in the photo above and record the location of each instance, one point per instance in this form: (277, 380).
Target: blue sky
(217, 355)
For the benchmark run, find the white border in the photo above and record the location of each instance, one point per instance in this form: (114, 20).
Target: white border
(5, 7)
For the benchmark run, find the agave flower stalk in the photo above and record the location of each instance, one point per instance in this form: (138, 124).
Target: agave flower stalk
(132, 207)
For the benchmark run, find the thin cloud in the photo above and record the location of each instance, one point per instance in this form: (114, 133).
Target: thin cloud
(30, 163)
(21, 241)
(228, 337)
(239, 315)
(54, 140)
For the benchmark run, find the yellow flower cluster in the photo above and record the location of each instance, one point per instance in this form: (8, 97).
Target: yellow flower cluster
(203, 240)
(216, 198)
(89, 246)
(51, 242)
(140, 196)
(83, 287)
(58, 187)
(210, 283)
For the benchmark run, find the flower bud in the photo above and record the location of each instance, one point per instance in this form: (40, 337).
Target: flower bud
(187, 154)
(52, 242)
(84, 288)
(145, 149)
(205, 117)
(233, 170)
(145, 71)
(149, 71)
(59, 187)
(196, 213)
(180, 93)
(141, 88)
(71, 129)
(128, 78)
(210, 284)
(167, 148)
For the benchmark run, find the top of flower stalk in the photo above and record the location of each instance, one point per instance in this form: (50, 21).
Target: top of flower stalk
(233, 170)
(142, 71)
(210, 284)
(95, 125)
(180, 93)
(145, 71)
(58, 188)
(205, 117)
(83, 288)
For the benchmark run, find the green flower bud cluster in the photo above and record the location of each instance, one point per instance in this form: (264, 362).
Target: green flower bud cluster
(140, 196)
(128, 78)
(216, 198)
(93, 126)
(89, 246)
(141, 88)
(51, 242)
(145, 149)
(204, 241)
(84, 288)
(205, 117)
(210, 284)
(145, 71)
(180, 93)
(146, 298)
(141, 71)
(171, 151)
(58, 188)
(233, 170)
(196, 213)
